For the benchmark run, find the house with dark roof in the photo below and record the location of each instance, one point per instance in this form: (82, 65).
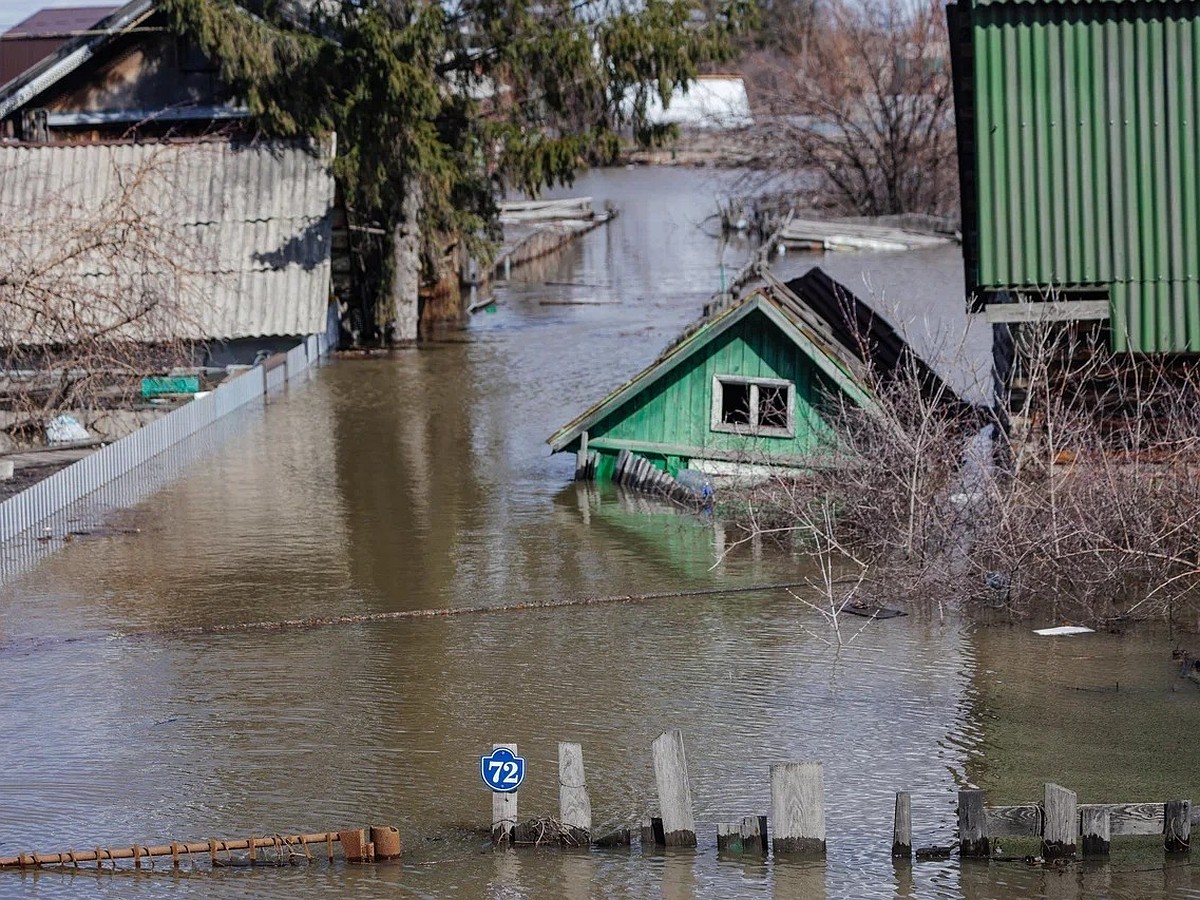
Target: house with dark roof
(33, 39)
(123, 75)
(757, 384)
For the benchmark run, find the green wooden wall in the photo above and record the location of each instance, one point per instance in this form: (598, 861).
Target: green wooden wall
(677, 409)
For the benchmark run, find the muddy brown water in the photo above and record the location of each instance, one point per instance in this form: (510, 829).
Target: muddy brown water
(422, 481)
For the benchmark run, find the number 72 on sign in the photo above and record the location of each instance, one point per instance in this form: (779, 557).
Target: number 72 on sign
(502, 770)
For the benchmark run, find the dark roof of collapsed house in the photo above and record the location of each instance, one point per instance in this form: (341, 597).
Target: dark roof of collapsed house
(865, 333)
(842, 333)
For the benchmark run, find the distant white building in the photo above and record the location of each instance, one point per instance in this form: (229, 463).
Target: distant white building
(714, 102)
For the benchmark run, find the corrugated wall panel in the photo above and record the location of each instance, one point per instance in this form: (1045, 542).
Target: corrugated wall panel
(262, 212)
(1087, 130)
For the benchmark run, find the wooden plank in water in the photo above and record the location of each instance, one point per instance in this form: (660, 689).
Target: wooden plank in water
(504, 807)
(798, 808)
(1131, 818)
(674, 790)
(622, 837)
(972, 825)
(1061, 824)
(1013, 821)
(902, 827)
(574, 805)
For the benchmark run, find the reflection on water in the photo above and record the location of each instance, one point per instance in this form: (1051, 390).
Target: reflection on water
(420, 481)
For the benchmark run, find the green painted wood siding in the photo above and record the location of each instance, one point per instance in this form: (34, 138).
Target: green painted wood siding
(1087, 137)
(677, 408)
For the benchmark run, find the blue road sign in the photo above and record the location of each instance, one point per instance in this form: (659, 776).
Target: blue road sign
(502, 770)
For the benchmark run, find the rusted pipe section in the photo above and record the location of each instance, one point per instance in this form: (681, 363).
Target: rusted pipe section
(355, 848)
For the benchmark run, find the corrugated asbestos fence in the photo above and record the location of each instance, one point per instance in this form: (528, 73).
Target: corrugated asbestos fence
(41, 501)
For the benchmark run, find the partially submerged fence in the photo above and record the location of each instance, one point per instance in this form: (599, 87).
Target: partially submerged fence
(796, 824)
(39, 502)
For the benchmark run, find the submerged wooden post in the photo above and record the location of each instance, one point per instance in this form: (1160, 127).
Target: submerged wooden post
(729, 838)
(972, 825)
(1177, 825)
(798, 808)
(652, 833)
(574, 805)
(674, 790)
(902, 828)
(504, 808)
(754, 835)
(1096, 826)
(581, 458)
(1060, 819)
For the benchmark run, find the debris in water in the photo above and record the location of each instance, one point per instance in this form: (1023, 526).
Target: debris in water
(871, 611)
(1064, 629)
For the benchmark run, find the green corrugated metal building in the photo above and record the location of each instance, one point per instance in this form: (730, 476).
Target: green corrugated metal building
(748, 386)
(1079, 137)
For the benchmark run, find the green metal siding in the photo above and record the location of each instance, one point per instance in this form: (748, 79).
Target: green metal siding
(1087, 136)
(676, 409)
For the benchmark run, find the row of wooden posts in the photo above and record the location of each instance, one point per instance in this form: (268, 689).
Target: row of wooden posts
(797, 821)
(359, 845)
(1067, 827)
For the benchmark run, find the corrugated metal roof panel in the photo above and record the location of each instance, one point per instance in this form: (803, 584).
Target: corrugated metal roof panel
(260, 214)
(1087, 137)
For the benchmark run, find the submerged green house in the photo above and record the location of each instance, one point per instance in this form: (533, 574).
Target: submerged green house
(1079, 159)
(754, 385)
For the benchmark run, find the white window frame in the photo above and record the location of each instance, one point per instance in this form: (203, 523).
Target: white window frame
(717, 423)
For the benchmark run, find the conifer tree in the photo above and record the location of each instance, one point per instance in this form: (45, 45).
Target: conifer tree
(439, 106)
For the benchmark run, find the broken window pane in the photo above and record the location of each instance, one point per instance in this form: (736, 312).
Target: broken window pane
(772, 407)
(735, 404)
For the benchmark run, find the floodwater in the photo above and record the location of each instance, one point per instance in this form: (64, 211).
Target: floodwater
(421, 481)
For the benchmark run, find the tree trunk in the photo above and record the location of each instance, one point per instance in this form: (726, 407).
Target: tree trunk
(399, 314)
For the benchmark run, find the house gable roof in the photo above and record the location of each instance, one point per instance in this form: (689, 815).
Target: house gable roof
(833, 360)
(71, 55)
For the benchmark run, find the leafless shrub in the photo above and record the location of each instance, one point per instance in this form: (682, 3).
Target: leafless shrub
(1093, 515)
(97, 289)
(860, 95)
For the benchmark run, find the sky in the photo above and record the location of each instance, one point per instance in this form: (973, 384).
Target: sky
(13, 11)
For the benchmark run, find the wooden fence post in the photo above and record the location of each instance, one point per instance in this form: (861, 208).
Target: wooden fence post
(1060, 819)
(798, 808)
(504, 808)
(574, 806)
(652, 833)
(1097, 831)
(729, 838)
(754, 835)
(674, 790)
(972, 825)
(1177, 825)
(902, 829)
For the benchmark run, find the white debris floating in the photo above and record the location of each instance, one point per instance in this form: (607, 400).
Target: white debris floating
(1064, 629)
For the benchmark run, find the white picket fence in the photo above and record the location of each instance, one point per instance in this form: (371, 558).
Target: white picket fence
(39, 502)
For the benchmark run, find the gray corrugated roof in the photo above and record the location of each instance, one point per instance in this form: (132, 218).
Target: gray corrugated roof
(262, 215)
